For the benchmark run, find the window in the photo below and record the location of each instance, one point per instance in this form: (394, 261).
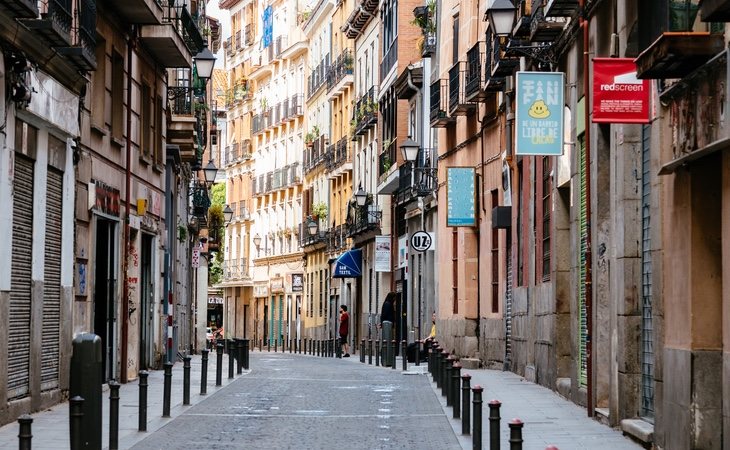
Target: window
(455, 269)
(117, 110)
(495, 257)
(157, 132)
(547, 186)
(520, 232)
(98, 88)
(145, 121)
(455, 49)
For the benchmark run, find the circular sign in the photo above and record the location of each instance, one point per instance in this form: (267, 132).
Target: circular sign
(421, 241)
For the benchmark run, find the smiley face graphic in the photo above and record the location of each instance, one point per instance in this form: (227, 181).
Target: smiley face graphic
(539, 110)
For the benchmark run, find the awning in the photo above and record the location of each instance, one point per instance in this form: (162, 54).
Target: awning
(348, 264)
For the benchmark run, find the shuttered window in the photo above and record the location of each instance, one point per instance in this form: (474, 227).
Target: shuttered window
(52, 282)
(583, 250)
(647, 326)
(20, 282)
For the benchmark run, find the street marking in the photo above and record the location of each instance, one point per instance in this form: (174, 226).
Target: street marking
(339, 416)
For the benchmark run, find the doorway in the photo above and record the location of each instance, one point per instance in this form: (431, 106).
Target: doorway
(147, 305)
(105, 301)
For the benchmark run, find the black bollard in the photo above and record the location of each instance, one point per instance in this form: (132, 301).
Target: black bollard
(477, 406)
(448, 379)
(455, 397)
(465, 404)
(268, 345)
(362, 351)
(219, 364)
(204, 372)
(377, 352)
(77, 422)
(438, 358)
(276, 345)
(393, 348)
(494, 439)
(186, 380)
(113, 415)
(239, 357)
(291, 345)
(370, 352)
(142, 425)
(515, 434)
(261, 347)
(430, 361)
(167, 390)
(418, 353)
(231, 363)
(404, 351)
(246, 351)
(25, 434)
(445, 366)
(318, 347)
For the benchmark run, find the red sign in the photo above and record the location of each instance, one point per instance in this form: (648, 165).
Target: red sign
(618, 96)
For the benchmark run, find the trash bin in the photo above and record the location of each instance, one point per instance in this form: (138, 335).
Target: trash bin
(85, 381)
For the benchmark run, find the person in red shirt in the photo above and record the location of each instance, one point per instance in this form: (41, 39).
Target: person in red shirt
(344, 328)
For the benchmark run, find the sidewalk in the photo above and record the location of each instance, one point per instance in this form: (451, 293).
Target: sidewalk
(549, 419)
(51, 427)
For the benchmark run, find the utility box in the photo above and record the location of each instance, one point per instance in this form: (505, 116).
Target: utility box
(502, 217)
(85, 381)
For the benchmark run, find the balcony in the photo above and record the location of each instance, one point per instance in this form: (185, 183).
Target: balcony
(54, 24)
(503, 63)
(228, 44)
(296, 104)
(492, 83)
(318, 76)
(237, 36)
(340, 72)
(417, 179)
(20, 9)
(315, 155)
(561, 8)
(365, 113)
(280, 44)
(339, 158)
(439, 95)
(257, 124)
(83, 52)
(176, 40)
(248, 35)
(337, 239)
(246, 150)
(311, 242)
(389, 60)
(366, 220)
(523, 20)
(242, 212)
(475, 76)
(542, 28)
(387, 159)
(677, 54)
(183, 126)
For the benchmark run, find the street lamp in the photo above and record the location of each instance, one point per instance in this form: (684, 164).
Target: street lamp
(361, 197)
(227, 213)
(210, 172)
(257, 243)
(501, 15)
(409, 148)
(204, 63)
(312, 227)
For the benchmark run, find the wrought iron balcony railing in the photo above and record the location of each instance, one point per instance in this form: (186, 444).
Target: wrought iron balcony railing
(389, 59)
(318, 76)
(341, 67)
(366, 218)
(307, 239)
(315, 155)
(338, 154)
(387, 159)
(181, 100)
(337, 238)
(365, 114)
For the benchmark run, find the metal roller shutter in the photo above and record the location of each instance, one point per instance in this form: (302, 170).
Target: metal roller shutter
(647, 326)
(582, 273)
(52, 282)
(20, 282)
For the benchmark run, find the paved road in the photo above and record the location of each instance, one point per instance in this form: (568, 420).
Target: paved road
(305, 402)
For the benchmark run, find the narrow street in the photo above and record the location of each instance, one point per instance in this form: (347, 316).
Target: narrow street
(294, 401)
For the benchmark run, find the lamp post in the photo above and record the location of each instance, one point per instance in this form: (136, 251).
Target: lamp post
(410, 149)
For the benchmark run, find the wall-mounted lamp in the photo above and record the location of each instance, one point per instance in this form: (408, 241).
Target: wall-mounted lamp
(361, 196)
(312, 227)
(204, 63)
(410, 149)
(227, 214)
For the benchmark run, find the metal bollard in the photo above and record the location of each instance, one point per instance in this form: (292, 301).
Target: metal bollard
(239, 360)
(204, 372)
(477, 406)
(515, 434)
(418, 353)
(370, 352)
(246, 351)
(393, 348)
(404, 351)
(186, 380)
(77, 422)
(113, 415)
(465, 404)
(276, 345)
(362, 351)
(261, 347)
(318, 347)
(24, 434)
(231, 362)
(268, 345)
(167, 390)
(438, 358)
(219, 364)
(494, 439)
(142, 425)
(430, 361)
(447, 380)
(455, 397)
(377, 352)
(445, 361)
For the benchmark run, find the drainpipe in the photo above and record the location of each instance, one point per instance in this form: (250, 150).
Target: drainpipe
(584, 23)
(131, 44)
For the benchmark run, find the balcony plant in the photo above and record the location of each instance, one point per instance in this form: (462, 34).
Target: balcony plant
(319, 210)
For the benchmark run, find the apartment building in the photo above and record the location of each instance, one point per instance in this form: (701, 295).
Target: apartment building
(366, 221)
(318, 309)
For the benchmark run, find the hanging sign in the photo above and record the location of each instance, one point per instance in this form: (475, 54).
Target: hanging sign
(618, 96)
(539, 115)
(195, 259)
(461, 197)
(382, 254)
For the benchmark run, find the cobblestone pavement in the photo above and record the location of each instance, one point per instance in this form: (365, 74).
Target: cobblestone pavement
(306, 402)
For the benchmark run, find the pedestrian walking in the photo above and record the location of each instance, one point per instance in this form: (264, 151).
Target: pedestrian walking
(344, 328)
(387, 317)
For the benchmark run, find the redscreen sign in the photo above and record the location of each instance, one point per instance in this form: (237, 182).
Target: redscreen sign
(618, 96)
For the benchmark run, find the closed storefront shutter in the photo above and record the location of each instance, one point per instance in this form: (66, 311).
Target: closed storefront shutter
(647, 326)
(582, 269)
(52, 282)
(20, 282)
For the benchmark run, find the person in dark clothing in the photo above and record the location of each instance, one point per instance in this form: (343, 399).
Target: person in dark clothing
(344, 328)
(387, 318)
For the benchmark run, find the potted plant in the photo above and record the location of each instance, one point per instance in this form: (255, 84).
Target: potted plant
(309, 139)
(319, 210)
(182, 233)
(264, 106)
(386, 164)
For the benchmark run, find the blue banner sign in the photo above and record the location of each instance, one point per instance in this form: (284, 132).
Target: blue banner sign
(268, 36)
(461, 197)
(539, 115)
(348, 264)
